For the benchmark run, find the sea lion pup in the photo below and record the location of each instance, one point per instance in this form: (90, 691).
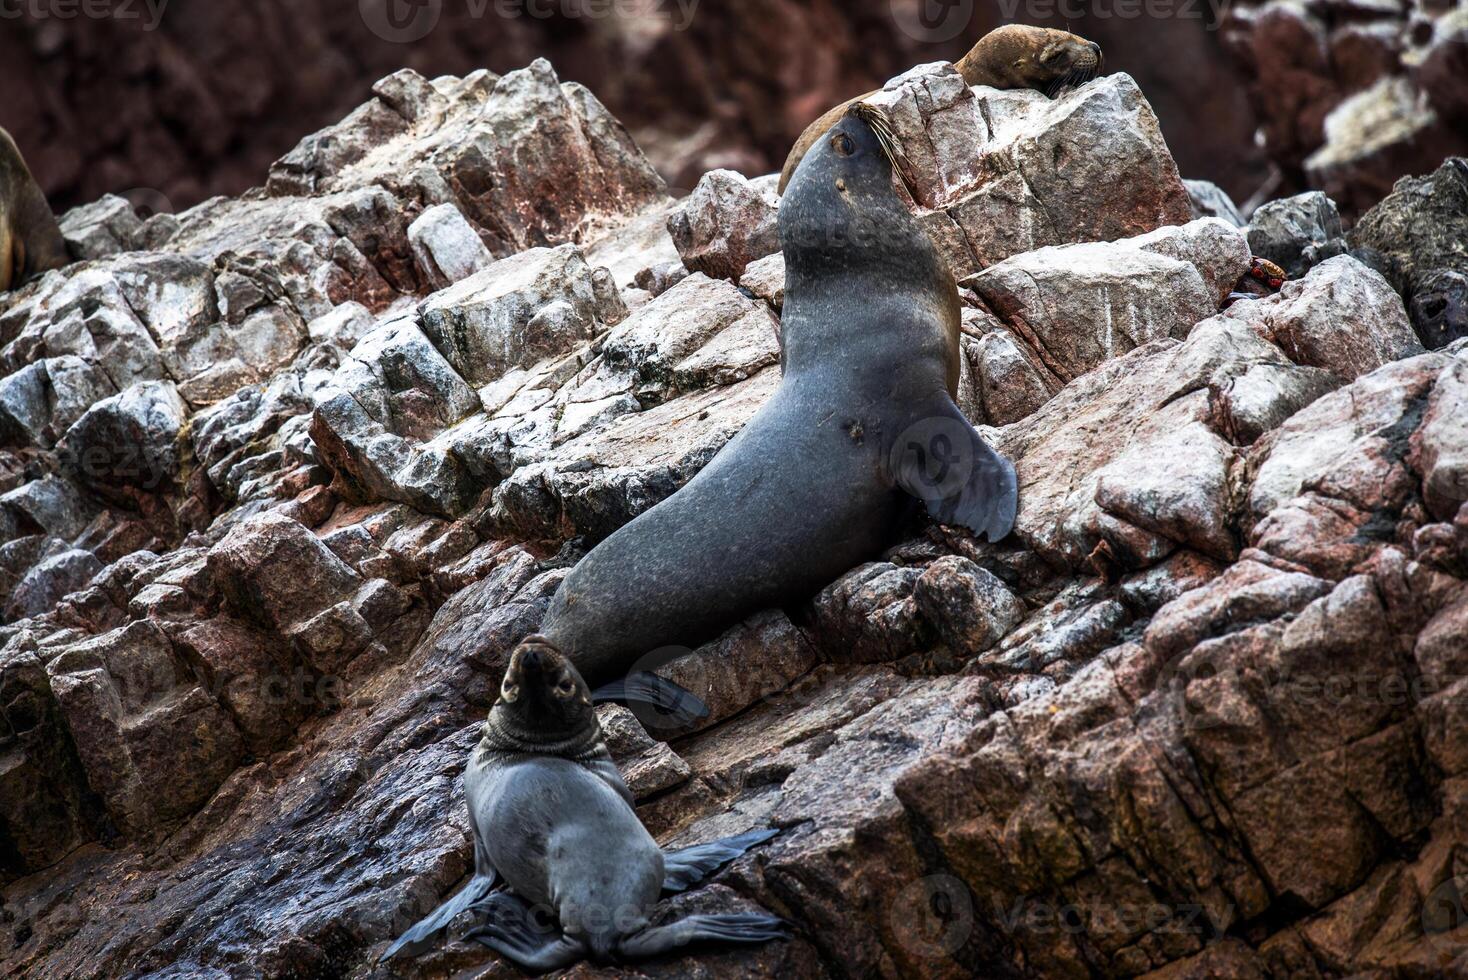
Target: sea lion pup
(817, 481)
(1012, 56)
(30, 239)
(552, 816)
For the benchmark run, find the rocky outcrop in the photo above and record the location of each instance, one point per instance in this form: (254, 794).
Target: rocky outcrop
(1420, 232)
(1197, 716)
(1352, 97)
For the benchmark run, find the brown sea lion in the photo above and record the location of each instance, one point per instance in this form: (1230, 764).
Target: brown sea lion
(30, 240)
(1012, 56)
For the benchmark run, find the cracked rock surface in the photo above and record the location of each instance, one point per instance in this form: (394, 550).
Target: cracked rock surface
(284, 478)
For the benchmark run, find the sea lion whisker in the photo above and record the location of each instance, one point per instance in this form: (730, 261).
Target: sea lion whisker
(876, 118)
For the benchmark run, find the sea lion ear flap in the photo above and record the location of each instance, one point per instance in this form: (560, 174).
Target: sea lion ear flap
(945, 463)
(658, 703)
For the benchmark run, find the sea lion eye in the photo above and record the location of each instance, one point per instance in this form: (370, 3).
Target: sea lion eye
(565, 688)
(843, 144)
(509, 691)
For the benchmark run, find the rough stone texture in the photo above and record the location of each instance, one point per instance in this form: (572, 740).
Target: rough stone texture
(1351, 97)
(1421, 232)
(1296, 233)
(1079, 305)
(1343, 317)
(725, 224)
(1211, 201)
(523, 309)
(446, 247)
(1203, 707)
(1005, 172)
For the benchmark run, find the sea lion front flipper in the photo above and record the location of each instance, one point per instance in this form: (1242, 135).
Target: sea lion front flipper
(742, 928)
(512, 931)
(417, 939)
(945, 463)
(682, 869)
(657, 702)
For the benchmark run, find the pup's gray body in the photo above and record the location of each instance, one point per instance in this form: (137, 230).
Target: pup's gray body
(563, 832)
(554, 821)
(816, 482)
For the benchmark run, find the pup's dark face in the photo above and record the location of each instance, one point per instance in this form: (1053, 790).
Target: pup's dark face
(543, 693)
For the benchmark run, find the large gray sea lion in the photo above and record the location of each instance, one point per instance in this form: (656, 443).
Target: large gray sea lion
(816, 482)
(553, 819)
(1012, 56)
(30, 240)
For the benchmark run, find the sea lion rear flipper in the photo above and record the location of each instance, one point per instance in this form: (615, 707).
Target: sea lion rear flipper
(512, 932)
(657, 702)
(417, 939)
(943, 462)
(742, 928)
(682, 869)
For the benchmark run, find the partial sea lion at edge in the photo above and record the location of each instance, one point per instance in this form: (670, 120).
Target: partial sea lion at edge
(30, 239)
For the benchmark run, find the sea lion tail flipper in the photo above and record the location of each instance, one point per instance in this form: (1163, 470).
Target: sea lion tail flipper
(682, 869)
(657, 702)
(945, 463)
(417, 939)
(512, 931)
(740, 928)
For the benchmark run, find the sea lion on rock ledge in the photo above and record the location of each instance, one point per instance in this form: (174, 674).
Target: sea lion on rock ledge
(1012, 56)
(551, 815)
(30, 240)
(817, 481)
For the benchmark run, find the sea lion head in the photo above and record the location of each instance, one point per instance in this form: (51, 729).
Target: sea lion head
(842, 211)
(543, 698)
(1040, 58)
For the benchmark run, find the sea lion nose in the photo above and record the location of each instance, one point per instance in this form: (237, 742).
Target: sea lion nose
(530, 659)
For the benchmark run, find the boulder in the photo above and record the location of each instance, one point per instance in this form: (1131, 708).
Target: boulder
(1296, 233)
(536, 304)
(260, 565)
(1077, 306)
(153, 744)
(1343, 316)
(1211, 201)
(970, 608)
(446, 248)
(108, 226)
(46, 810)
(129, 442)
(725, 224)
(1439, 308)
(755, 660)
(1009, 380)
(1001, 172)
(1105, 503)
(1419, 229)
(49, 580)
